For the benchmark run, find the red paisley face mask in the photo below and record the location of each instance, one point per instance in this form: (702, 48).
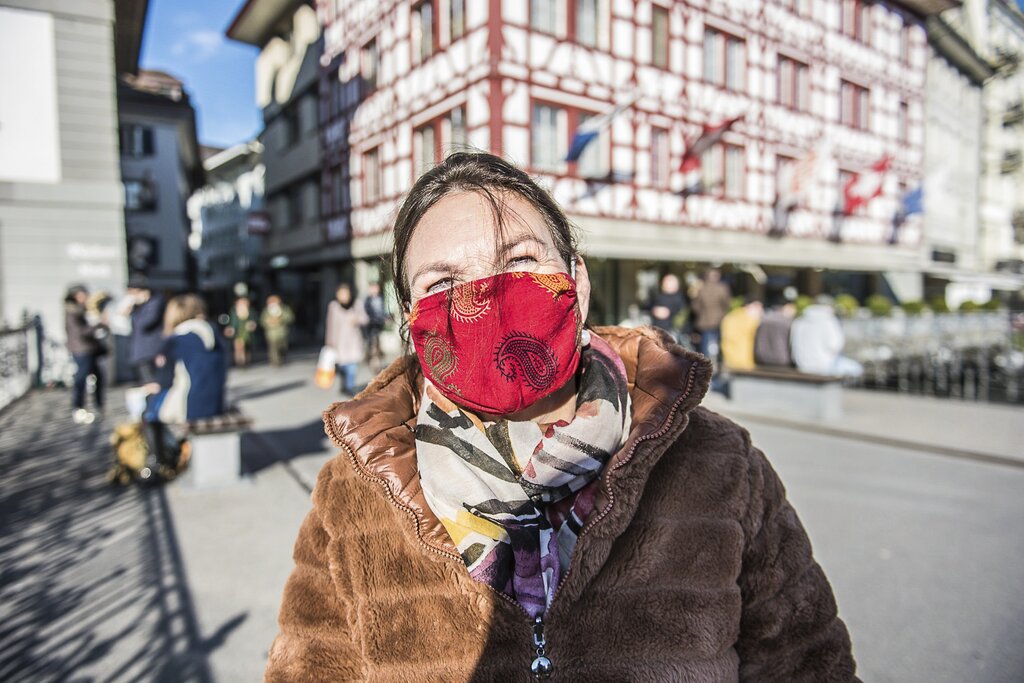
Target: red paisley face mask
(499, 344)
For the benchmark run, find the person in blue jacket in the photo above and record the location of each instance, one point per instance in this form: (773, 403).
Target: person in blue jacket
(192, 371)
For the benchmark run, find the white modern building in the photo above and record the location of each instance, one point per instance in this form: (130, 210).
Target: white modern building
(61, 198)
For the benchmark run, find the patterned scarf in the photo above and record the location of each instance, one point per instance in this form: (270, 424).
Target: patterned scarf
(514, 496)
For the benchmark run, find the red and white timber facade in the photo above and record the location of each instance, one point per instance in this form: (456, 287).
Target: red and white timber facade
(404, 82)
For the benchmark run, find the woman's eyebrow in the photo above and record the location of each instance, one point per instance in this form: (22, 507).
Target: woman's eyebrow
(516, 240)
(434, 267)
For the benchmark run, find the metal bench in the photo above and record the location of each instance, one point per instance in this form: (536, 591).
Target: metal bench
(786, 393)
(216, 454)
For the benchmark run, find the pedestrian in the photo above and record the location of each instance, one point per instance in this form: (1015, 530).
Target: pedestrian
(192, 374)
(739, 328)
(276, 321)
(240, 329)
(817, 342)
(146, 313)
(527, 495)
(345, 320)
(771, 343)
(377, 317)
(712, 302)
(667, 306)
(86, 344)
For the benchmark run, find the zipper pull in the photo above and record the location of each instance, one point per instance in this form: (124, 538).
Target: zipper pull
(541, 666)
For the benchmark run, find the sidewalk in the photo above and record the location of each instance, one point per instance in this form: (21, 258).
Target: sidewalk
(980, 431)
(106, 584)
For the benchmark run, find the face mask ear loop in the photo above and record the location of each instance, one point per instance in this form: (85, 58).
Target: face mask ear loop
(572, 269)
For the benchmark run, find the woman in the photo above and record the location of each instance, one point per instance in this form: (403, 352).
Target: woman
(527, 497)
(241, 326)
(193, 373)
(344, 334)
(85, 340)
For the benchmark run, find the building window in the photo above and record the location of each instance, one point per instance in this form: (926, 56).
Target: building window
(139, 195)
(854, 19)
(289, 127)
(368, 63)
(371, 176)
(424, 149)
(723, 171)
(905, 44)
(853, 105)
(456, 19)
(455, 136)
(423, 31)
(339, 191)
(296, 215)
(661, 170)
(903, 123)
(591, 162)
(844, 178)
(136, 140)
(586, 22)
(547, 137)
(725, 61)
(659, 37)
(793, 84)
(544, 15)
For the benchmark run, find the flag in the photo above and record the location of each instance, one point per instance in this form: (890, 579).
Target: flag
(595, 185)
(795, 184)
(588, 131)
(865, 186)
(911, 202)
(709, 136)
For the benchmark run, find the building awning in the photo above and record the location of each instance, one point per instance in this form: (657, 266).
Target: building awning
(927, 8)
(957, 51)
(254, 24)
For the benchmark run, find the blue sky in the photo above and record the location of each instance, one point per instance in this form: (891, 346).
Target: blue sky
(186, 38)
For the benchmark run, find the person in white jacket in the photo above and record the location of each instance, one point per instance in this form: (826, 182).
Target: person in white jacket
(817, 341)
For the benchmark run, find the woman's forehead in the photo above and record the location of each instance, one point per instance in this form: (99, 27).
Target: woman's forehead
(467, 220)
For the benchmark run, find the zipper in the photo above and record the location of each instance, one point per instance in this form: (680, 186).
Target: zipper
(541, 667)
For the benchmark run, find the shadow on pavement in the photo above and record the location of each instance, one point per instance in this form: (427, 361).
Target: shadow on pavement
(245, 394)
(92, 586)
(284, 445)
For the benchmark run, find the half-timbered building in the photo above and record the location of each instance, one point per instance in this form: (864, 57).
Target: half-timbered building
(403, 83)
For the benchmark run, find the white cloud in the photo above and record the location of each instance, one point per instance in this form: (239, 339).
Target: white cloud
(198, 45)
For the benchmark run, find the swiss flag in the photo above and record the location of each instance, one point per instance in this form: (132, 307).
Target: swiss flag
(863, 187)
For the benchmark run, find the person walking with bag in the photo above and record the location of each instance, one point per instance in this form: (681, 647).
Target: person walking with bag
(344, 333)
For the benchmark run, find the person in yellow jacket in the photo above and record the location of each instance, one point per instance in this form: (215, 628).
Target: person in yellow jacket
(739, 327)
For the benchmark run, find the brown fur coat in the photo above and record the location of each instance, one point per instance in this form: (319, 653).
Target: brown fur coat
(693, 568)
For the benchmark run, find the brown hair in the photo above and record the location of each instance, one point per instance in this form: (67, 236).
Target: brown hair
(181, 308)
(489, 176)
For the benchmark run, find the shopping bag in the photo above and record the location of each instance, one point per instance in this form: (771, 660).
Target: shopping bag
(325, 368)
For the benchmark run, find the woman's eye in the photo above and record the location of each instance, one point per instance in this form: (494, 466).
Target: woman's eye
(440, 286)
(520, 262)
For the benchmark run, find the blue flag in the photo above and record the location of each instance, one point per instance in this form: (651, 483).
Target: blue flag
(588, 131)
(912, 202)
